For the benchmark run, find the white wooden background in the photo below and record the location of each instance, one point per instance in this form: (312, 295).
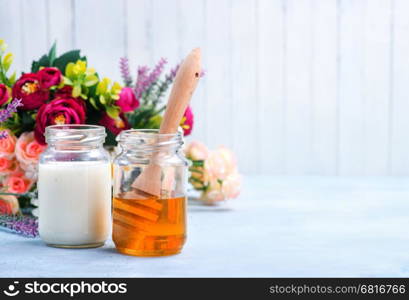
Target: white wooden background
(294, 87)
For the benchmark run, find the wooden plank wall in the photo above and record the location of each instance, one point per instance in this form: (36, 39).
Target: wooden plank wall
(293, 86)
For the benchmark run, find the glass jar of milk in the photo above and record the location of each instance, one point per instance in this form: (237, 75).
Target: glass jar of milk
(74, 187)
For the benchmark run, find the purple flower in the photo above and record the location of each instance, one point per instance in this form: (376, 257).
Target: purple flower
(144, 81)
(163, 86)
(154, 75)
(23, 225)
(7, 113)
(126, 74)
(140, 85)
(172, 73)
(9, 110)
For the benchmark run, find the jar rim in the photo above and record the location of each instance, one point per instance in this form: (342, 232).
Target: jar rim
(129, 133)
(76, 127)
(149, 139)
(75, 133)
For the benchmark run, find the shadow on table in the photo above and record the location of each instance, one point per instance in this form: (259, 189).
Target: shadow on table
(195, 205)
(112, 251)
(37, 242)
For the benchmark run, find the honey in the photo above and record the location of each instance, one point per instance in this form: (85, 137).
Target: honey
(148, 226)
(149, 203)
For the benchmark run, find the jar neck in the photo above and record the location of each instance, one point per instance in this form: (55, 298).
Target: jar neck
(75, 137)
(148, 142)
(74, 147)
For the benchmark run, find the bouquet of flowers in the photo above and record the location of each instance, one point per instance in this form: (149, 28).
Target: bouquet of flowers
(65, 90)
(213, 173)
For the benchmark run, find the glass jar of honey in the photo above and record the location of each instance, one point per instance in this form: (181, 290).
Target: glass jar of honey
(149, 203)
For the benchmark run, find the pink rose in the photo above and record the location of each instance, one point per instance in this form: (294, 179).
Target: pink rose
(213, 196)
(28, 150)
(4, 94)
(8, 205)
(217, 191)
(187, 121)
(231, 186)
(7, 165)
(58, 111)
(115, 126)
(213, 192)
(218, 177)
(49, 77)
(7, 145)
(217, 165)
(196, 150)
(229, 159)
(127, 100)
(28, 89)
(17, 183)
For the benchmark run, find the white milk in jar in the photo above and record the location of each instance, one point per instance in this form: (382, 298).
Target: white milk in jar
(74, 187)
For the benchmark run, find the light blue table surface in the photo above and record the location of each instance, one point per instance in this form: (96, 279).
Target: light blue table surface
(280, 226)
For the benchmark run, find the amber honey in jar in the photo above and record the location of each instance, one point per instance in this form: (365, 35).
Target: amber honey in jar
(149, 223)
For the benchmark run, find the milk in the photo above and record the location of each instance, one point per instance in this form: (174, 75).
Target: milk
(74, 202)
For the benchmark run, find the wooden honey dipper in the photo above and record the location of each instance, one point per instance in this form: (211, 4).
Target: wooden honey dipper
(187, 77)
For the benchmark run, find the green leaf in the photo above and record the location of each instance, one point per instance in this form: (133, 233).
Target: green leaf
(7, 61)
(12, 78)
(67, 81)
(52, 54)
(91, 80)
(110, 139)
(22, 122)
(93, 103)
(70, 56)
(42, 62)
(76, 91)
(198, 163)
(140, 117)
(113, 111)
(35, 66)
(102, 99)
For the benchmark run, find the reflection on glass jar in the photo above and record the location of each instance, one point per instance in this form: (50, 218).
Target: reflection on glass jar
(149, 206)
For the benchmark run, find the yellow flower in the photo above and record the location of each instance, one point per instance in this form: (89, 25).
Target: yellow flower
(7, 61)
(3, 45)
(74, 70)
(102, 87)
(80, 78)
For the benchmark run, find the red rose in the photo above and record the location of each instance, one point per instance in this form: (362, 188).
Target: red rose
(28, 89)
(64, 92)
(127, 100)
(49, 77)
(4, 94)
(115, 125)
(58, 112)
